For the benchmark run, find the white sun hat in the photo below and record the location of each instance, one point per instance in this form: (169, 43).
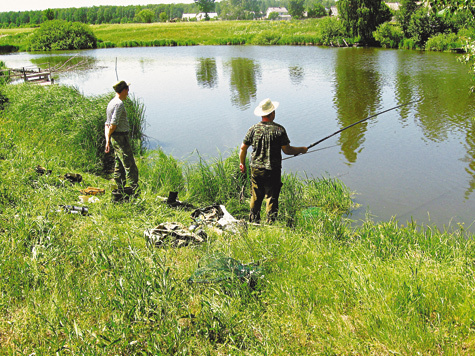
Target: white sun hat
(265, 107)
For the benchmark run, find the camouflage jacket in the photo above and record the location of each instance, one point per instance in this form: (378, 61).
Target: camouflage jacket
(266, 139)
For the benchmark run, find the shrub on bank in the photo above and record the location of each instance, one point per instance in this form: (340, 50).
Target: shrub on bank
(62, 35)
(408, 43)
(330, 30)
(388, 35)
(443, 42)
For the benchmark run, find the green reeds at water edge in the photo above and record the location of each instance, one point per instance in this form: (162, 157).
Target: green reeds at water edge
(93, 285)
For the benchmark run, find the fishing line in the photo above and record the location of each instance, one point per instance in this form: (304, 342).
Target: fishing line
(356, 123)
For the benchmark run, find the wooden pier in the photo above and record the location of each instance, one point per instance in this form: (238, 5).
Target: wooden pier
(34, 75)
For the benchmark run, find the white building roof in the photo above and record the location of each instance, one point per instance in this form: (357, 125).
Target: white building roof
(279, 10)
(200, 16)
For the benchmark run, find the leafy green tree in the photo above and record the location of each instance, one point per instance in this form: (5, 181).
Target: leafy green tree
(403, 16)
(163, 17)
(453, 6)
(361, 17)
(62, 35)
(92, 15)
(24, 18)
(228, 11)
(423, 24)
(205, 6)
(146, 16)
(330, 30)
(316, 10)
(246, 6)
(48, 15)
(388, 35)
(273, 16)
(296, 8)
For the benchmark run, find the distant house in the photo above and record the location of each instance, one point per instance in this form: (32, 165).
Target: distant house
(188, 17)
(211, 15)
(199, 17)
(282, 11)
(334, 11)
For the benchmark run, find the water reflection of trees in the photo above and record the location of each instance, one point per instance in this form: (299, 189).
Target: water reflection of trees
(296, 74)
(446, 106)
(404, 86)
(470, 158)
(357, 94)
(244, 73)
(207, 73)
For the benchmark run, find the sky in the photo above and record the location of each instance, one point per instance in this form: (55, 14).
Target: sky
(25, 5)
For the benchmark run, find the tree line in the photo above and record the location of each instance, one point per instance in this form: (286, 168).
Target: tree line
(228, 9)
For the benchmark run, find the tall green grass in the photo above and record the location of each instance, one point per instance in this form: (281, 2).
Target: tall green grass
(58, 116)
(93, 285)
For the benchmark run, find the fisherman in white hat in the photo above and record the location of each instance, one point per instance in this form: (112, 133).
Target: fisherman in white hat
(268, 139)
(117, 133)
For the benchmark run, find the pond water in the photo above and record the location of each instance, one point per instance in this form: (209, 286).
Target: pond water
(416, 162)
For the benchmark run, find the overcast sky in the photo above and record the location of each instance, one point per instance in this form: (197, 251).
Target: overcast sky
(25, 5)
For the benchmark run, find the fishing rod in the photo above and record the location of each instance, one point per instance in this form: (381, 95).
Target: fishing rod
(353, 124)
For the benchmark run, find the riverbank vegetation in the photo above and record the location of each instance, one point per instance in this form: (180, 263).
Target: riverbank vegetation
(328, 31)
(62, 35)
(93, 284)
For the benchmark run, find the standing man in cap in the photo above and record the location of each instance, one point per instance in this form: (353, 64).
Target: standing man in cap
(268, 139)
(117, 132)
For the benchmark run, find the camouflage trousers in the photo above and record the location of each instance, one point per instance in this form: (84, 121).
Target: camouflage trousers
(265, 184)
(125, 168)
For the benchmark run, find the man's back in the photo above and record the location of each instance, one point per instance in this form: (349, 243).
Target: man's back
(266, 138)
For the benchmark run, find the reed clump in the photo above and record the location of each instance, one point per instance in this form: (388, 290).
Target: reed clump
(93, 284)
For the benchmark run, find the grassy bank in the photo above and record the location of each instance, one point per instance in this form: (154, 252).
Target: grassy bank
(324, 31)
(308, 32)
(74, 284)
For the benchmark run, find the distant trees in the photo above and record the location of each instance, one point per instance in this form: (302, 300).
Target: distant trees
(296, 8)
(163, 17)
(316, 10)
(94, 15)
(444, 24)
(240, 9)
(48, 15)
(145, 15)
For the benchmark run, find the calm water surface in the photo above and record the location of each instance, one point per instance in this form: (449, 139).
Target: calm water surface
(415, 162)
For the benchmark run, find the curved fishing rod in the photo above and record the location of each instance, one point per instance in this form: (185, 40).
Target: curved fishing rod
(353, 124)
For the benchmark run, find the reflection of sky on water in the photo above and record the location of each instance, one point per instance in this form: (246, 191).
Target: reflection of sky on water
(415, 161)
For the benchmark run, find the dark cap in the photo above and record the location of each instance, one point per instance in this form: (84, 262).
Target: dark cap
(119, 86)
